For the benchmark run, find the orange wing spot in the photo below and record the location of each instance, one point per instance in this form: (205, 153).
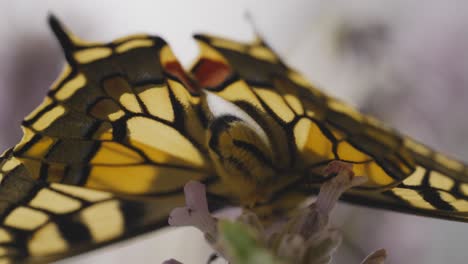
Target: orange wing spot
(210, 73)
(174, 68)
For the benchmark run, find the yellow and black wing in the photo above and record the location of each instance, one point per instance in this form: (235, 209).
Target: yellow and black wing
(106, 155)
(403, 174)
(41, 222)
(122, 117)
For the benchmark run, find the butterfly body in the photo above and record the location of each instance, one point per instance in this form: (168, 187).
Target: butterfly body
(125, 127)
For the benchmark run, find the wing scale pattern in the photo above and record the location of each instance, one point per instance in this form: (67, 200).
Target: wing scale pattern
(42, 221)
(106, 154)
(117, 112)
(122, 121)
(404, 175)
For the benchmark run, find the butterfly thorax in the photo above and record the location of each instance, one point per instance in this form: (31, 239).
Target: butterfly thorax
(252, 164)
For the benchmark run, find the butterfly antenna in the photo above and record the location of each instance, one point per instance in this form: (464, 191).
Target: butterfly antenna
(248, 16)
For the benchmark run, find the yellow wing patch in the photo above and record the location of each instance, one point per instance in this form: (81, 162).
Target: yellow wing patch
(92, 54)
(55, 242)
(317, 147)
(416, 178)
(140, 178)
(61, 204)
(403, 174)
(349, 153)
(239, 91)
(25, 218)
(164, 138)
(276, 102)
(413, 198)
(133, 44)
(158, 102)
(126, 119)
(104, 220)
(438, 180)
(5, 236)
(71, 87)
(117, 119)
(113, 153)
(48, 118)
(45, 222)
(85, 194)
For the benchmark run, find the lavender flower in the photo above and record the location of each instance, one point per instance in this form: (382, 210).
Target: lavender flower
(304, 238)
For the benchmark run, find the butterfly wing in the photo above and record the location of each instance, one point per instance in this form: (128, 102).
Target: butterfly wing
(403, 174)
(122, 117)
(438, 188)
(106, 155)
(41, 222)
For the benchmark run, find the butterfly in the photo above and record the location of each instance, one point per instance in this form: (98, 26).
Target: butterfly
(106, 155)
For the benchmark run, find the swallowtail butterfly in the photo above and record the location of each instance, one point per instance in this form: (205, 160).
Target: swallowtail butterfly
(106, 155)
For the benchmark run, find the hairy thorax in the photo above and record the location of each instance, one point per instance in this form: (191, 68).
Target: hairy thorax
(253, 163)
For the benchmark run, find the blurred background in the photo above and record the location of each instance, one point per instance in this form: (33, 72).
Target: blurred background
(405, 62)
